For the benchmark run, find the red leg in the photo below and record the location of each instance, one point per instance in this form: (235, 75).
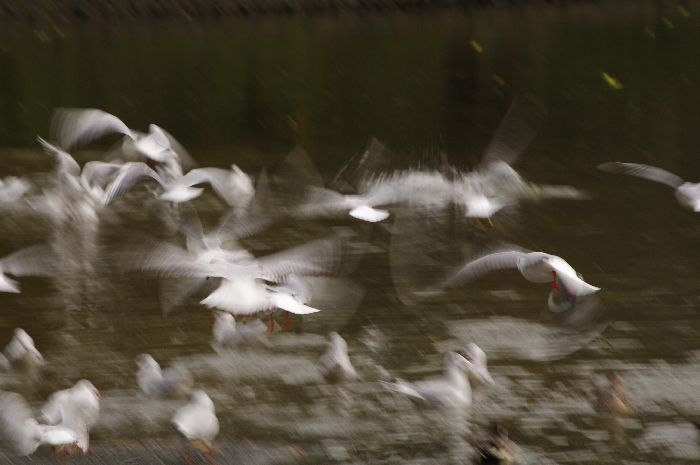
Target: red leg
(555, 283)
(287, 325)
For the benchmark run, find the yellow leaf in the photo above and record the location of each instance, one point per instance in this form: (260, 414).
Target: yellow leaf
(612, 82)
(476, 46)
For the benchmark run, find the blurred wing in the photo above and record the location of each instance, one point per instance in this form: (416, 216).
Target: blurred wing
(174, 291)
(171, 261)
(190, 223)
(74, 126)
(96, 173)
(516, 131)
(129, 175)
(483, 265)
(296, 170)
(217, 177)
(403, 388)
(261, 213)
(14, 413)
(320, 201)
(167, 140)
(64, 161)
(14, 410)
(289, 304)
(316, 257)
(37, 260)
(370, 162)
(643, 171)
(534, 191)
(52, 410)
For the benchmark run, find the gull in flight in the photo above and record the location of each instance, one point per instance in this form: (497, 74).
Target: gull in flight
(453, 389)
(234, 186)
(219, 245)
(198, 423)
(22, 351)
(494, 184)
(377, 189)
(74, 126)
(24, 435)
(687, 193)
(78, 193)
(536, 267)
(335, 364)
(250, 286)
(76, 408)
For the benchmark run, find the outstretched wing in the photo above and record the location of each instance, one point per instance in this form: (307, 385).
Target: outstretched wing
(75, 126)
(97, 173)
(186, 159)
(36, 260)
(480, 266)
(516, 131)
(129, 175)
(64, 161)
(314, 257)
(651, 173)
(261, 213)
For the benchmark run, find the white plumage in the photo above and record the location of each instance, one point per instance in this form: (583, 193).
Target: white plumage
(197, 420)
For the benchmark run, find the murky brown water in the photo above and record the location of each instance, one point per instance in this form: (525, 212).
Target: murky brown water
(247, 92)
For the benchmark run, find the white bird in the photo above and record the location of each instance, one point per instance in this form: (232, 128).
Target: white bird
(425, 189)
(197, 421)
(536, 267)
(479, 375)
(21, 350)
(687, 193)
(229, 333)
(494, 184)
(131, 173)
(249, 296)
(243, 290)
(219, 245)
(335, 363)
(72, 127)
(453, 389)
(172, 382)
(77, 194)
(76, 408)
(234, 186)
(23, 434)
(321, 201)
(36, 260)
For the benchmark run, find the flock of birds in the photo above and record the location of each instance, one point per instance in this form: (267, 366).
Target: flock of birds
(241, 285)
